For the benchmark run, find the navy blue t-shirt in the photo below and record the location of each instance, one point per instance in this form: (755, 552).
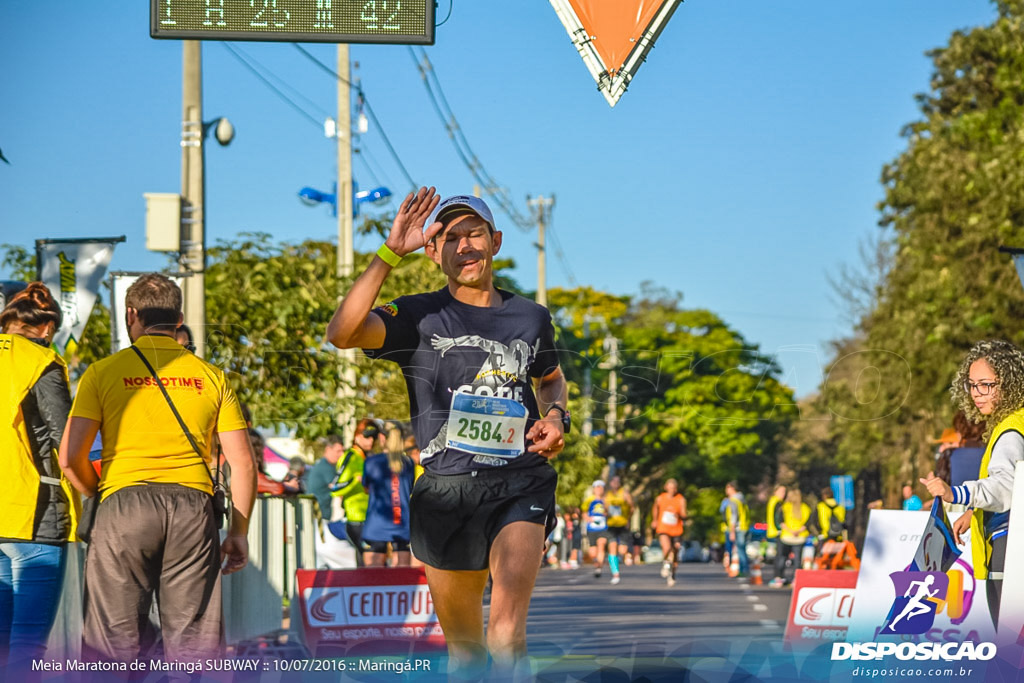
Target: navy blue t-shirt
(444, 345)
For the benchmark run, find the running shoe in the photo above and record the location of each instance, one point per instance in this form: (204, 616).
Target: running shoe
(615, 579)
(665, 569)
(777, 583)
(597, 573)
(671, 581)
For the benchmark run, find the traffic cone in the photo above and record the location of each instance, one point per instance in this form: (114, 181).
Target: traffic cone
(755, 573)
(808, 557)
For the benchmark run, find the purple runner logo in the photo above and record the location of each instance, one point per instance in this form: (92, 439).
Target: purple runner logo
(919, 595)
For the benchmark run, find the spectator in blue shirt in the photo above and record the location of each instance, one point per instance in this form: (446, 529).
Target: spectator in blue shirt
(388, 478)
(910, 499)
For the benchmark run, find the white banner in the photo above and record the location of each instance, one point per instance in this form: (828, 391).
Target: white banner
(892, 540)
(73, 271)
(119, 284)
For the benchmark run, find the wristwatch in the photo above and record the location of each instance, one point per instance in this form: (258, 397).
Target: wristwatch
(566, 416)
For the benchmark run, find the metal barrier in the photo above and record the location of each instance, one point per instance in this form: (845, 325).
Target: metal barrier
(281, 540)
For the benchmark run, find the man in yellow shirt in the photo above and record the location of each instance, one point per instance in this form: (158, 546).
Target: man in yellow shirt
(155, 528)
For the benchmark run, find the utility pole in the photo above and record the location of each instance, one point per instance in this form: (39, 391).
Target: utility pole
(588, 382)
(346, 249)
(543, 207)
(193, 193)
(611, 347)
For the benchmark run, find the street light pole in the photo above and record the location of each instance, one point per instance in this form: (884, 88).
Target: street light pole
(193, 193)
(346, 249)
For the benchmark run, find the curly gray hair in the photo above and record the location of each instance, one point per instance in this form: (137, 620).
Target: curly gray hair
(1007, 362)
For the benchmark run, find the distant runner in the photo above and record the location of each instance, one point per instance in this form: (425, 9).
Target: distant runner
(668, 516)
(620, 506)
(595, 520)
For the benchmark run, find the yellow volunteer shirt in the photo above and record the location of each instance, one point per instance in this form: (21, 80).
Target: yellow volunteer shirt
(142, 441)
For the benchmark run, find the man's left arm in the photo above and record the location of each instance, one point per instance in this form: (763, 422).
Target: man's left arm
(548, 434)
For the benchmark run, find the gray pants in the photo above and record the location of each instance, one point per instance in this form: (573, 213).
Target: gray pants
(153, 539)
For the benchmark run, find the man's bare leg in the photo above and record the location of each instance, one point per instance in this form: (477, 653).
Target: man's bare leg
(515, 560)
(372, 559)
(458, 600)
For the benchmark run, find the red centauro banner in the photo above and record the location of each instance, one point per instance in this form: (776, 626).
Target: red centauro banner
(382, 611)
(820, 608)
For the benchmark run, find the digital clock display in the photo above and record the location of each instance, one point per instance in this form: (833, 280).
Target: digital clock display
(330, 21)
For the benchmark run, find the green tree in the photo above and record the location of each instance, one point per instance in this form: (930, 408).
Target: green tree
(952, 197)
(695, 400)
(18, 263)
(271, 303)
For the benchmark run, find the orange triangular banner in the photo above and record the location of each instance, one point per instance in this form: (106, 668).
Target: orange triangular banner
(614, 36)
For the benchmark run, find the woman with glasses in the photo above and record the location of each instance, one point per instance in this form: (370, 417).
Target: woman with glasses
(989, 386)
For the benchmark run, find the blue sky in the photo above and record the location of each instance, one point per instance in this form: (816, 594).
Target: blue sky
(741, 168)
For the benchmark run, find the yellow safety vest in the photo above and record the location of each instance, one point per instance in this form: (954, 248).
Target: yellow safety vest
(794, 521)
(743, 523)
(773, 530)
(981, 548)
(825, 513)
(22, 363)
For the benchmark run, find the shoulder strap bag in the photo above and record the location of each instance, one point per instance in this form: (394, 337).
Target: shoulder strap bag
(220, 504)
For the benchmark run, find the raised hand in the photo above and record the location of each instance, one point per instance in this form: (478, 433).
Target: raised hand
(407, 230)
(937, 487)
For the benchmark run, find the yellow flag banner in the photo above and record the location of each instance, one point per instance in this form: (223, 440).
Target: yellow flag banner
(73, 270)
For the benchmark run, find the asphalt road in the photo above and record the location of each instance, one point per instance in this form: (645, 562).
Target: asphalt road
(643, 626)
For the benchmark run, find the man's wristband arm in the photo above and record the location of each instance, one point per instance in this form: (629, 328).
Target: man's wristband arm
(388, 256)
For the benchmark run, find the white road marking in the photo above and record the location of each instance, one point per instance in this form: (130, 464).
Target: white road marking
(760, 608)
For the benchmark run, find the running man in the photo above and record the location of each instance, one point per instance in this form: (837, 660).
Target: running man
(668, 516)
(473, 357)
(620, 506)
(595, 521)
(915, 606)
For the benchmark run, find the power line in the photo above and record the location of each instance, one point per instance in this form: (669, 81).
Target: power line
(372, 164)
(366, 104)
(282, 95)
(560, 255)
(284, 84)
(451, 125)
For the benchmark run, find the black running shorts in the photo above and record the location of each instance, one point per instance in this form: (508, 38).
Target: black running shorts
(620, 535)
(594, 536)
(454, 519)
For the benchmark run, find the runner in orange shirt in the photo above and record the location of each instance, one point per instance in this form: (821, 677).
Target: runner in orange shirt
(669, 513)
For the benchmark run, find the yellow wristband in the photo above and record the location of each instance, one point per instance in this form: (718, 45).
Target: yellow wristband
(389, 257)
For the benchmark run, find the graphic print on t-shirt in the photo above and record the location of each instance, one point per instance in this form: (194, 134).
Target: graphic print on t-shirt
(453, 353)
(502, 375)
